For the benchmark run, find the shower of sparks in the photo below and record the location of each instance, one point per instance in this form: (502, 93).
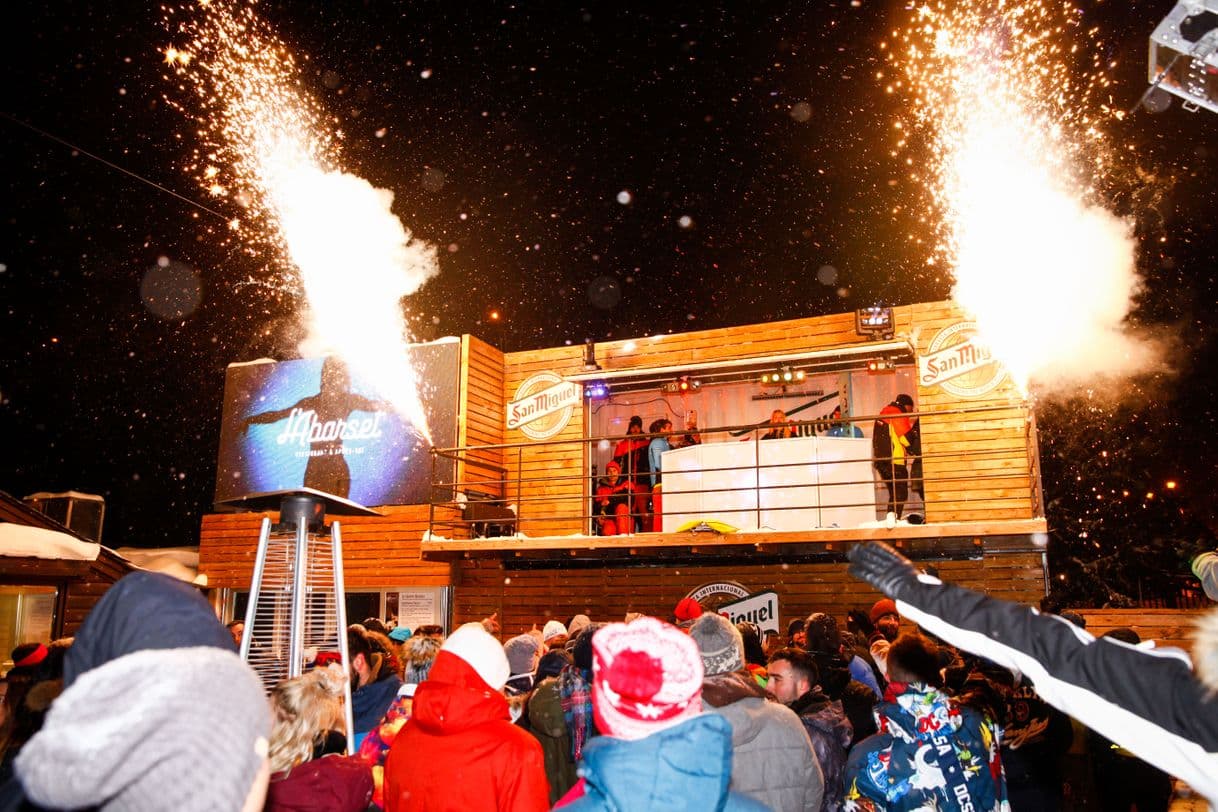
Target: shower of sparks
(269, 146)
(1012, 98)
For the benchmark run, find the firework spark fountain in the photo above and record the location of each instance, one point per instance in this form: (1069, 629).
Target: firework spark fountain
(267, 144)
(1014, 116)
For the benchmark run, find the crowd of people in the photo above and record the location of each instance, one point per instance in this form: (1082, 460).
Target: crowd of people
(149, 707)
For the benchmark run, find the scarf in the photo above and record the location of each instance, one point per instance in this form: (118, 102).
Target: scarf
(575, 696)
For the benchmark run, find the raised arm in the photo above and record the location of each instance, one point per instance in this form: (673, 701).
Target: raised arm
(1147, 701)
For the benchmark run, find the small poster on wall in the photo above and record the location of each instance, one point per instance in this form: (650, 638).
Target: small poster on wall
(421, 606)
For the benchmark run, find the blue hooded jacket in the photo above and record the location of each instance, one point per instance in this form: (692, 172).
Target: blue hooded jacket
(686, 767)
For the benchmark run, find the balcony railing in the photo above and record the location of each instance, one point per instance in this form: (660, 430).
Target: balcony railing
(977, 464)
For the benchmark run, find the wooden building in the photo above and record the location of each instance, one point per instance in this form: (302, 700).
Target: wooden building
(50, 577)
(532, 437)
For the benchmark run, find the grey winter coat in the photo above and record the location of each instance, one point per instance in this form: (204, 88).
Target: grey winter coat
(772, 757)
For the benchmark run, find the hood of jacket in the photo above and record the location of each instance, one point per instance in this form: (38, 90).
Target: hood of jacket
(421, 650)
(834, 673)
(685, 767)
(144, 610)
(826, 715)
(724, 689)
(454, 698)
(741, 701)
(916, 712)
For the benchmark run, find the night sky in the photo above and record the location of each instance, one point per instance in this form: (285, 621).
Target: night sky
(752, 141)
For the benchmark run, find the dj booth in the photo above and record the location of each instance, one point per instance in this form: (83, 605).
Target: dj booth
(793, 484)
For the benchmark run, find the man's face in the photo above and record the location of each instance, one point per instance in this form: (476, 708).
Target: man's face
(785, 683)
(889, 626)
(236, 631)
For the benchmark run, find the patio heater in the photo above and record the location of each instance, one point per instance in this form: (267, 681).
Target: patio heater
(296, 600)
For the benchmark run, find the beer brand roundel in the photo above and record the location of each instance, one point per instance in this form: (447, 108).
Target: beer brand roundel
(959, 363)
(543, 405)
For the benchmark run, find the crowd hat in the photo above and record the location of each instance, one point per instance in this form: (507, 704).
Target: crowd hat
(400, 634)
(183, 729)
(481, 652)
(551, 630)
(647, 676)
(520, 651)
(884, 606)
(687, 609)
(720, 643)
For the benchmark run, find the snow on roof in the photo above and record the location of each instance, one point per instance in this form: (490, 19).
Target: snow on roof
(87, 497)
(180, 562)
(23, 541)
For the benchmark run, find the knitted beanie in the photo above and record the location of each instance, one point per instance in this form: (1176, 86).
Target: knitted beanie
(551, 630)
(578, 624)
(183, 729)
(720, 643)
(482, 652)
(884, 606)
(647, 676)
(520, 651)
(687, 609)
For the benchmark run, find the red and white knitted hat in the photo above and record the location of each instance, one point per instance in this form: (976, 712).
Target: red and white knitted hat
(647, 676)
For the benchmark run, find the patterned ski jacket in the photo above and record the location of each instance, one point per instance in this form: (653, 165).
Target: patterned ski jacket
(930, 753)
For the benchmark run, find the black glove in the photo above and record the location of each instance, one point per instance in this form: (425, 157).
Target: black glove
(882, 567)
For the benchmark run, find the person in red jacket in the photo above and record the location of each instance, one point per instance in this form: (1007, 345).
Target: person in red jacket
(616, 496)
(460, 751)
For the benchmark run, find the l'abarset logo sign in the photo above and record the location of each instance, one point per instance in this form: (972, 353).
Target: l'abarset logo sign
(960, 363)
(543, 405)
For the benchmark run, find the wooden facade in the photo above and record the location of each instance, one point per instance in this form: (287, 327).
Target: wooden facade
(985, 524)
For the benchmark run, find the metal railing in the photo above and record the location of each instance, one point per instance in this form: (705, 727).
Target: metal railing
(550, 487)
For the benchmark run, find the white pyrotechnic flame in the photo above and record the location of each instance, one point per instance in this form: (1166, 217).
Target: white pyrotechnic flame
(268, 143)
(1017, 152)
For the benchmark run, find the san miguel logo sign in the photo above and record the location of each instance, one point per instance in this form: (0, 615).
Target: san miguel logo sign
(543, 404)
(736, 603)
(959, 363)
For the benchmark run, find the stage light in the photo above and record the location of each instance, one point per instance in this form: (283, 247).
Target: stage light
(799, 375)
(596, 390)
(1184, 56)
(874, 322)
(879, 365)
(765, 378)
(787, 375)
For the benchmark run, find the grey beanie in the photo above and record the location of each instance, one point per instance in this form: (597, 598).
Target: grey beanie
(719, 641)
(520, 651)
(183, 729)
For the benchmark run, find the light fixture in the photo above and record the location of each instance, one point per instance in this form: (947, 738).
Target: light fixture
(682, 385)
(874, 322)
(783, 375)
(590, 364)
(879, 365)
(596, 390)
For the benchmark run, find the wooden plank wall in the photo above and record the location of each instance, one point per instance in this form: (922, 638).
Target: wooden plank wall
(83, 593)
(546, 477)
(526, 597)
(480, 414)
(1168, 627)
(977, 466)
(378, 551)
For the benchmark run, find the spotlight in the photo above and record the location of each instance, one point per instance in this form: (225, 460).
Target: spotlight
(879, 365)
(874, 322)
(596, 390)
(799, 375)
